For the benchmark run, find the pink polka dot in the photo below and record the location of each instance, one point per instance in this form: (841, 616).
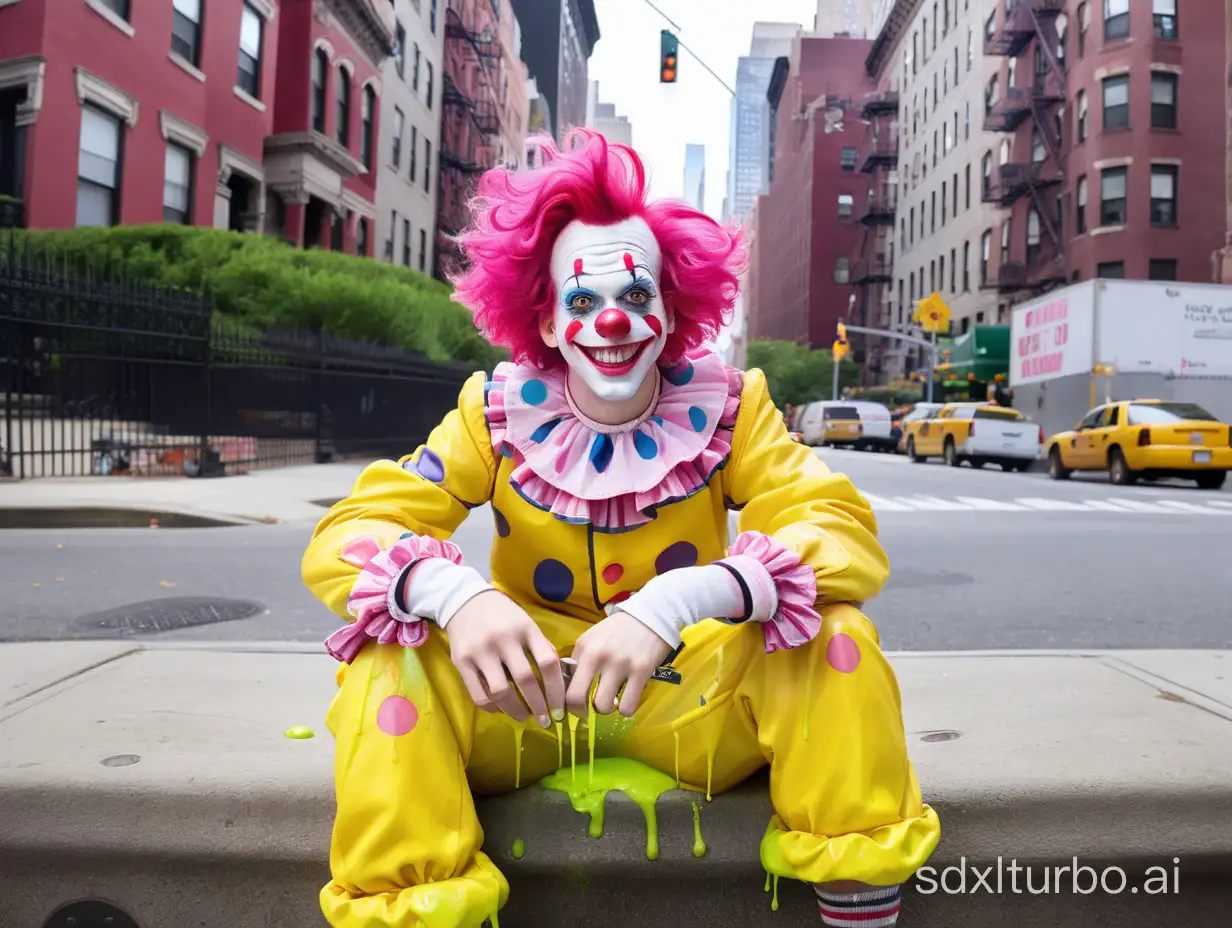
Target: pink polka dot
(397, 716)
(360, 551)
(612, 573)
(843, 653)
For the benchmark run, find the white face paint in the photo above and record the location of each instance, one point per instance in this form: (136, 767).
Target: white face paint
(609, 322)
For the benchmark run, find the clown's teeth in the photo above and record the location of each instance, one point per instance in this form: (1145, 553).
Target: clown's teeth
(617, 355)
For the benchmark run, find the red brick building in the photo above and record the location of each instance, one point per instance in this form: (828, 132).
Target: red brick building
(1114, 114)
(253, 115)
(807, 227)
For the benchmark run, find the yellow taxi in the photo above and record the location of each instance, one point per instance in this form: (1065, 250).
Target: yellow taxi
(1147, 439)
(976, 433)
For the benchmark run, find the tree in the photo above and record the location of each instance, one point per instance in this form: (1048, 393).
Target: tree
(796, 374)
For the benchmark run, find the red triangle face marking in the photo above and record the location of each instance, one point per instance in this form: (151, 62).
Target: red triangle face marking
(577, 266)
(628, 262)
(571, 333)
(655, 325)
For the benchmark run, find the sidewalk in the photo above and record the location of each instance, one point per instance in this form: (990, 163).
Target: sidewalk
(152, 775)
(289, 494)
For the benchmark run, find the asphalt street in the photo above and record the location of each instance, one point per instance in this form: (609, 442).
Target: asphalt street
(981, 559)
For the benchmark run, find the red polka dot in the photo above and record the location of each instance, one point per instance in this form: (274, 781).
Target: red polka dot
(612, 573)
(843, 653)
(619, 598)
(397, 716)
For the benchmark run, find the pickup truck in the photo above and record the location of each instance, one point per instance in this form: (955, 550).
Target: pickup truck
(979, 433)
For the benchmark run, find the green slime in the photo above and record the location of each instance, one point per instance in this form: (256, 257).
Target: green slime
(642, 784)
(519, 849)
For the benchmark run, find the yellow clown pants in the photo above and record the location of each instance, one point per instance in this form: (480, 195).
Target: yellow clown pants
(411, 748)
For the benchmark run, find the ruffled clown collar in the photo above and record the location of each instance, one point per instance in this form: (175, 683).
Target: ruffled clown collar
(613, 478)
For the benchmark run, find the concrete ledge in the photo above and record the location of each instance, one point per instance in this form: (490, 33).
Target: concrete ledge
(1115, 759)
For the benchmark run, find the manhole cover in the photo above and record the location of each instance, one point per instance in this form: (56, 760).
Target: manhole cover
(90, 914)
(905, 578)
(932, 737)
(121, 760)
(164, 615)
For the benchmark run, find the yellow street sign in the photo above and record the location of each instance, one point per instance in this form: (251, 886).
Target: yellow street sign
(932, 314)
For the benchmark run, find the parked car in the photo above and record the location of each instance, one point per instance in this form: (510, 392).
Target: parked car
(877, 427)
(978, 433)
(831, 422)
(901, 423)
(1147, 439)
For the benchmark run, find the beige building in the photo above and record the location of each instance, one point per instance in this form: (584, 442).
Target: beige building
(845, 17)
(944, 232)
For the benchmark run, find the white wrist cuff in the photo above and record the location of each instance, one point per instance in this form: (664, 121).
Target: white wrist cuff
(438, 589)
(675, 600)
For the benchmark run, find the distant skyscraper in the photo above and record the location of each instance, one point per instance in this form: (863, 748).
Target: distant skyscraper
(749, 151)
(602, 118)
(695, 176)
(846, 17)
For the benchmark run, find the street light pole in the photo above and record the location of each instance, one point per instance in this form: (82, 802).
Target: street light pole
(932, 364)
(835, 392)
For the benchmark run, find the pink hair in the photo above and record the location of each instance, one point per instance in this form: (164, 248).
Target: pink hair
(519, 214)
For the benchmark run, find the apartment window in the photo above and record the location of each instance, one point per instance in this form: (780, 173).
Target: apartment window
(932, 222)
(941, 272)
(361, 238)
(912, 291)
(936, 147)
(368, 112)
(1165, 28)
(990, 94)
(935, 18)
(186, 30)
(987, 170)
(1084, 22)
(414, 154)
(966, 267)
(911, 227)
(945, 22)
(432, 17)
(98, 169)
(953, 269)
(1062, 35)
(119, 7)
(926, 103)
(400, 52)
(1116, 102)
(1038, 151)
(320, 68)
(1163, 100)
(845, 207)
(177, 185)
(1112, 188)
(936, 94)
(985, 250)
(925, 43)
(1162, 269)
(1163, 194)
(948, 138)
(966, 121)
(427, 173)
(901, 301)
(1080, 212)
(395, 156)
(1116, 19)
(416, 57)
(847, 159)
(393, 236)
(1033, 236)
(1005, 240)
(1082, 115)
(957, 69)
(342, 129)
(954, 207)
(842, 270)
(428, 85)
(902, 232)
(915, 52)
(970, 48)
(932, 276)
(943, 203)
(1111, 270)
(252, 38)
(423, 250)
(967, 185)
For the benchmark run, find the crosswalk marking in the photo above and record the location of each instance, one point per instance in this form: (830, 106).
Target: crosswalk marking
(1123, 506)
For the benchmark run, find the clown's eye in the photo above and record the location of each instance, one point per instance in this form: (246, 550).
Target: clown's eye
(637, 296)
(581, 303)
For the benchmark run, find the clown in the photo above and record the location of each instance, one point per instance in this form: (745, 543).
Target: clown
(610, 451)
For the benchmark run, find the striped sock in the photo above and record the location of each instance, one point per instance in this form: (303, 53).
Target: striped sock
(875, 907)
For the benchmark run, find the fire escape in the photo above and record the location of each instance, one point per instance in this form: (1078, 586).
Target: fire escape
(872, 272)
(1030, 24)
(472, 120)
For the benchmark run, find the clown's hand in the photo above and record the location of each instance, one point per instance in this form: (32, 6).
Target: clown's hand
(620, 651)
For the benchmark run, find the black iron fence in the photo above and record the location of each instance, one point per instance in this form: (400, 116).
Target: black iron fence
(99, 376)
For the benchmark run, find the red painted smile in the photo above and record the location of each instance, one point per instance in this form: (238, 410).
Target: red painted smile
(617, 360)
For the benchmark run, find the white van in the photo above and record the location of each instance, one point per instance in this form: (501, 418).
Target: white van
(831, 422)
(878, 427)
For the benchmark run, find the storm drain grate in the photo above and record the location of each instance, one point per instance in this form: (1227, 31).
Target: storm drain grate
(163, 615)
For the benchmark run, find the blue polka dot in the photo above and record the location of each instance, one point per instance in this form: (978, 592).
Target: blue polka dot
(681, 554)
(697, 418)
(406, 535)
(680, 375)
(646, 446)
(601, 452)
(657, 420)
(553, 581)
(502, 524)
(430, 466)
(506, 449)
(534, 392)
(541, 434)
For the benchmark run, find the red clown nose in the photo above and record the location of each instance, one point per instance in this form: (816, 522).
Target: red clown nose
(612, 323)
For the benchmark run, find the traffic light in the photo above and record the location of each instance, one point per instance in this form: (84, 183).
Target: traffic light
(668, 46)
(842, 332)
(841, 347)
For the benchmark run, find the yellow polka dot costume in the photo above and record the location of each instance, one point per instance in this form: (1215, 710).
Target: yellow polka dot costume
(583, 519)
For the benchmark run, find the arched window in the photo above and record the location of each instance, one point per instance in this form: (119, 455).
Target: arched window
(1084, 23)
(1082, 115)
(986, 168)
(1062, 36)
(342, 128)
(1033, 235)
(320, 68)
(1005, 151)
(1038, 151)
(1080, 213)
(990, 94)
(368, 117)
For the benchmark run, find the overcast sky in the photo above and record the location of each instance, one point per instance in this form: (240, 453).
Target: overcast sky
(696, 109)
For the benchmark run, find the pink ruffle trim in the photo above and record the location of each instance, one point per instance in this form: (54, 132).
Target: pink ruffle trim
(796, 621)
(370, 596)
(626, 495)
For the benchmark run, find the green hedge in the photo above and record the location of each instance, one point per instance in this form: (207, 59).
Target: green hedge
(796, 374)
(263, 282)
